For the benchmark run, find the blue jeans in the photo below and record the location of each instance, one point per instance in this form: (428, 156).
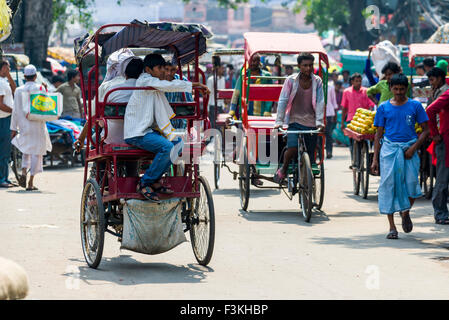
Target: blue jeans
(5, 148)
(162, 147)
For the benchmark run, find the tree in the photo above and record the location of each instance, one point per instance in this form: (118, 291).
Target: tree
(33, 22)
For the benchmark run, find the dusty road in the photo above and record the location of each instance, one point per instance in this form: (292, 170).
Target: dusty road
(267, 253)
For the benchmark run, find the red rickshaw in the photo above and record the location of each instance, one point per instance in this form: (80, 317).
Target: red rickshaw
(109, 181)
(300, 179)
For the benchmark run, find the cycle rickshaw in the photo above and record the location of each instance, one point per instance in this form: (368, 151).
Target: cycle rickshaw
(109, 181)
(258, 131)
(427, 170)
(220, 119)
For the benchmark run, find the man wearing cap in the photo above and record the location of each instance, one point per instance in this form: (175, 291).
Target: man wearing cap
(30, 137)
(7, 88)
(71, 94)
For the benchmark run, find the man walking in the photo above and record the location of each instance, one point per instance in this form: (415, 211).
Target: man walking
(7, 89)
(441, 139)
(71, 94)
(331, 118)
(30, 137)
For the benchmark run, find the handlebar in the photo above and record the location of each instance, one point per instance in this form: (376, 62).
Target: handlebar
(299, 131)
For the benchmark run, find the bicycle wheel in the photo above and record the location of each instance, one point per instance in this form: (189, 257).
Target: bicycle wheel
(355, 168)
(92, 222)
(202, 228)
(318, 185)
(244, 178)
(16, 164)
(364, 169)
(305, 187)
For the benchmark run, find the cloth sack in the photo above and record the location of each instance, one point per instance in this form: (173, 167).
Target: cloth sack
(152, 228)
(383, 53)
(42, 106)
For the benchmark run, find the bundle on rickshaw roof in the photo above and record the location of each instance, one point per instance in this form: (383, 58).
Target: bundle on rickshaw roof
(179, 38)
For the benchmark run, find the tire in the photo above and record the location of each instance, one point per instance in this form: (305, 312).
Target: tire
(217, 176)
(318, 185)
(364, 170)
(355, 168)
(244, 181)
(305, 187)
(92, 241)
(202, 228)
(16, 163)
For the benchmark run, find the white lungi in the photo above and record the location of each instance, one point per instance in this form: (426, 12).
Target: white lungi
(33, 162)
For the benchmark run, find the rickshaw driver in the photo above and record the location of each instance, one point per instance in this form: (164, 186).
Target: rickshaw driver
(147, 122)
(301, 107)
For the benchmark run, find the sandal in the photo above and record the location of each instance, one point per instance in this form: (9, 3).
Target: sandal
(148, 194)
(407, 224)
(31, 189)
(393, 235)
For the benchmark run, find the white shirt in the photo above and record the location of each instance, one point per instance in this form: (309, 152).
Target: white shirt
(331, 101)
(32, 137)
(6, 92)
(115, 126)
(148, 108)
(220, 85)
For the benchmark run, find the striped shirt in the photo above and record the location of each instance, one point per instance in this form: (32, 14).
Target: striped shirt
(149, 109)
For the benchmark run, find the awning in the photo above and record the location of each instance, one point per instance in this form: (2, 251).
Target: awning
(176, 37)
(288, 43)
(427, 50)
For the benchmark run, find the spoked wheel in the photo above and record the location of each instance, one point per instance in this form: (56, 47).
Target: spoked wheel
(16, 164)
(364, 169)
(202, 228)
(318, 183)
(244, 178)
(92, 223)
(355, 167)
(306, 187)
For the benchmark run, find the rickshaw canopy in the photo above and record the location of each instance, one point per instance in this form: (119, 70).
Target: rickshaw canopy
(176, 37)
(427, 50)
(288, 43)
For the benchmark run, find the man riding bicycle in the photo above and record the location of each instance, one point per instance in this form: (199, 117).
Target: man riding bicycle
(301, 107)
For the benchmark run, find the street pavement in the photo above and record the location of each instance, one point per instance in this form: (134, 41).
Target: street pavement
(269, 252)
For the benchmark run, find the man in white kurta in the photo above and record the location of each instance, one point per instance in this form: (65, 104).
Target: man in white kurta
(147, 122)
(30, 137)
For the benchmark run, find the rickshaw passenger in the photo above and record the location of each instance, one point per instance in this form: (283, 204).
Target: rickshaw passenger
(148, 126)
(176, 97)
(133, 67)
(301, 107)
(255, 108)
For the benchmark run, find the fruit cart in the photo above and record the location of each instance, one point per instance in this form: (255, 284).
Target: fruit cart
(361, 131)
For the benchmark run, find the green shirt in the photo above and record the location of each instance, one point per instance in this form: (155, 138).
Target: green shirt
(383, 88)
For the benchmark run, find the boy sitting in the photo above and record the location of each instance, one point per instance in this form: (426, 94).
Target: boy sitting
(147, 122)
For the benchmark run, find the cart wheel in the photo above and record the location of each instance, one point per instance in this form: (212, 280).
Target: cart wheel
(355, 167)
(364, 169)
(92, 223)
(16, 164)
(217, 175)
(305, 187)
(244, 178)
(202, 229)
(318, 185)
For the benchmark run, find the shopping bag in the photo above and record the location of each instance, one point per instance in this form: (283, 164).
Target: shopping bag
(383, 53)
(42, 106)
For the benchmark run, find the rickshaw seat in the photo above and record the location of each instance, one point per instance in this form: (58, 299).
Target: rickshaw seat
(126, 150)
(265, 92)
(225, 93)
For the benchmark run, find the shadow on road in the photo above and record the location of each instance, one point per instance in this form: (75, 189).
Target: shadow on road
(124, 270)
(254, 193)
(284, 217)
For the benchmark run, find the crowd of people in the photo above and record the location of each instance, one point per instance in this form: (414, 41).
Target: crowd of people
(148, 119)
